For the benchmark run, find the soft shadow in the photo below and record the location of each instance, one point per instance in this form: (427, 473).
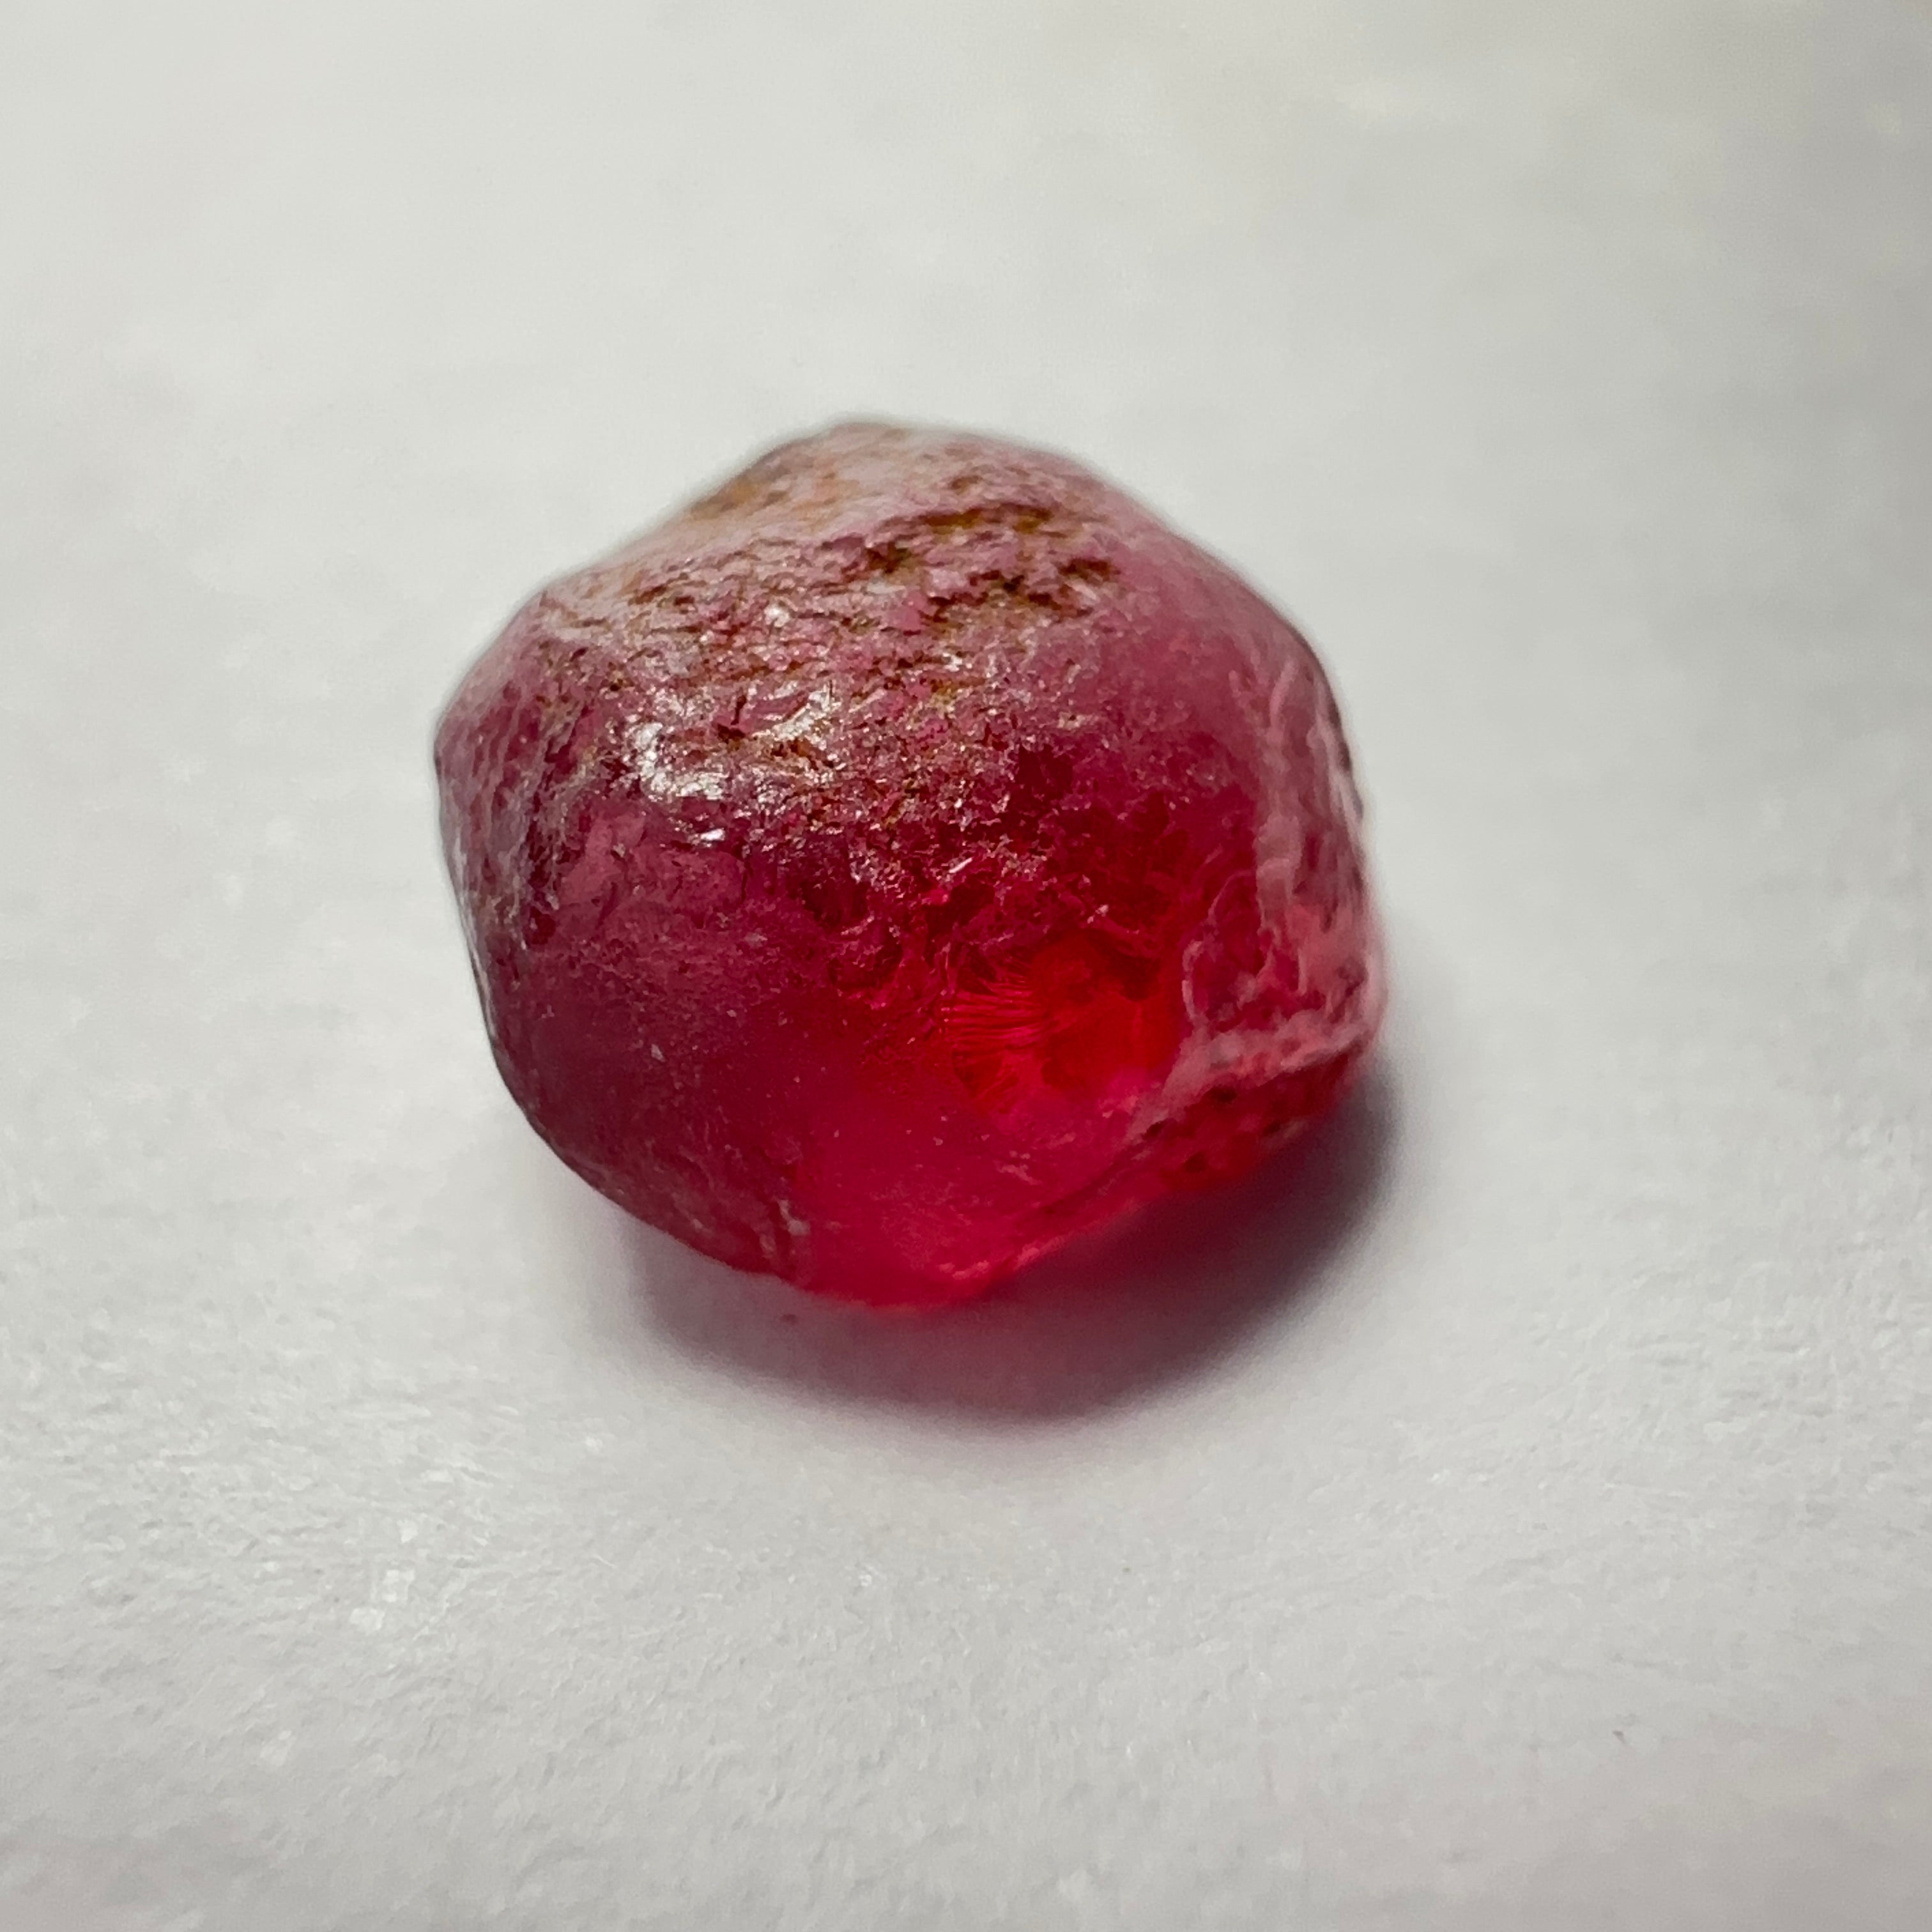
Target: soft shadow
(1176, 1289)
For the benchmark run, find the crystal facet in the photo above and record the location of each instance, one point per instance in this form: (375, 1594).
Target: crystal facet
(910, 856)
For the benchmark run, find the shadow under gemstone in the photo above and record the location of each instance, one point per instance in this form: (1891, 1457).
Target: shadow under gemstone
(1143, 1305)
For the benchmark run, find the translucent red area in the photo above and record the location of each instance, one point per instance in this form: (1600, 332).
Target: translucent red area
(909, 857)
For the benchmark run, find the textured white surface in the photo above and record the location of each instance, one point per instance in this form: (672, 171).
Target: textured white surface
(1520, 1517)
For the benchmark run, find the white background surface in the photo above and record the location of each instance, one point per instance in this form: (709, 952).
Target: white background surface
(1519, 1515)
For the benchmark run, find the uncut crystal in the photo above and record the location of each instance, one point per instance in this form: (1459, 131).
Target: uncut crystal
(908, 857)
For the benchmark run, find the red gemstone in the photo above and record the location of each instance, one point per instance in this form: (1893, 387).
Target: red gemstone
(906, 858)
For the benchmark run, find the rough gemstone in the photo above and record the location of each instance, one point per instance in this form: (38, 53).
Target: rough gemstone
(910, 856)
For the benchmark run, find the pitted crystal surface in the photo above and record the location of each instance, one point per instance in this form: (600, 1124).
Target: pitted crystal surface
(908, 856)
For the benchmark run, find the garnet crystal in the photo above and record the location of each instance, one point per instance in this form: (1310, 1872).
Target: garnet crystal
(908, 857)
